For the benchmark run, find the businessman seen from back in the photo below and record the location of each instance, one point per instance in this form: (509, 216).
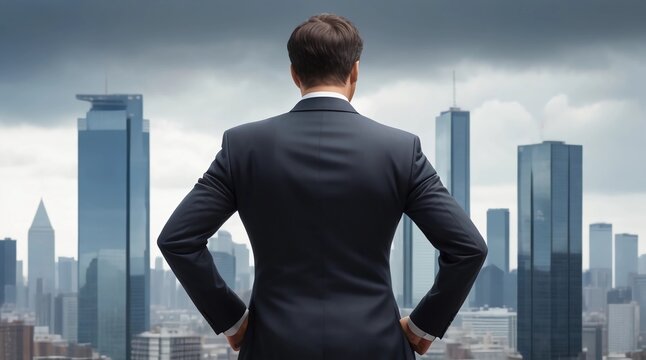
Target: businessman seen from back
(320, 190)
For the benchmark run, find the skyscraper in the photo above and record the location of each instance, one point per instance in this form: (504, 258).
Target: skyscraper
(601, 255)
(452, 159)
(7, 271)
(67, 275)
(549, 250)
(626, 254)
(113, 223)
(41, 256)
(600, 246)
(623, 327)
(498, 238)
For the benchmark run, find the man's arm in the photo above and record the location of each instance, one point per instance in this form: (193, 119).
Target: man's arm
(462, 249)
(183, 242)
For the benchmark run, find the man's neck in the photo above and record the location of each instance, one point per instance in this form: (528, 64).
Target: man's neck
(343, 90)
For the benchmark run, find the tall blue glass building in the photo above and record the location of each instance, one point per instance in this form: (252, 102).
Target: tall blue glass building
(7, 271)
(113, 218)
(601, 255)
(452, 159)
(498, 238)
(549, 250)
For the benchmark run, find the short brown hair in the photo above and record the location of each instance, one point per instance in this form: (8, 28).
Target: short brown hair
(323, 49)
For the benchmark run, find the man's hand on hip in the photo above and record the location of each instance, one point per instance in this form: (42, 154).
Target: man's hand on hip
(236, 339)
(419, 344)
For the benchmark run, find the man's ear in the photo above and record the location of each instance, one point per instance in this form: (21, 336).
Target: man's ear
(354, 73)
(295, 77)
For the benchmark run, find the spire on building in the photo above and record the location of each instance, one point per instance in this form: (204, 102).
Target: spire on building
(41, 219)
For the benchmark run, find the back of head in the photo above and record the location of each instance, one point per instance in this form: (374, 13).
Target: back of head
(323, 50)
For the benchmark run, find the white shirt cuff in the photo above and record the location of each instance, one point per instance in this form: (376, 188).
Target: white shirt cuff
(419, 332)
(234, 329)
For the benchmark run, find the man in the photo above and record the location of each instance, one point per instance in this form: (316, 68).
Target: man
(320, 190)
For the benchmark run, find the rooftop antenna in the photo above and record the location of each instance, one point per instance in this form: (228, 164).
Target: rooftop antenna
(454, 105)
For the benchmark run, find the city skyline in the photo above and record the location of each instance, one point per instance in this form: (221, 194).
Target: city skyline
(589, 96)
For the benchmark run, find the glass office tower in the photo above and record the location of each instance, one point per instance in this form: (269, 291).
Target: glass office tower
(626, 255)
(601, 255)
(498, 238)
(113, 218)
(452, 153)
(549, 250)
(7, 271)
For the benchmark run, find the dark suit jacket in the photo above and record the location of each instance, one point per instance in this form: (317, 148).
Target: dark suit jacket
(320, 191)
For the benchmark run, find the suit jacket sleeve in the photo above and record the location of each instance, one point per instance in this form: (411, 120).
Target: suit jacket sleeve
(447, 226)
(183, 243)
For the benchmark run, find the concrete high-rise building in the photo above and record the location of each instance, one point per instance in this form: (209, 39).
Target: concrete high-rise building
(499, 323)
(498, 238)
(623, 327)
(549, 250)
(41, 255)
(600, 246)
(626, 254)
(7, 271)
(166, 344)
(67, 275)
(113, 223)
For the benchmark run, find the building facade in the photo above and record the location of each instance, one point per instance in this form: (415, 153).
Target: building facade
(626, 255)
(7, 272)
(549, 250)
(498, 238)
(113, 223)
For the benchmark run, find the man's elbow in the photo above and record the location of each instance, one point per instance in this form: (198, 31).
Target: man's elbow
(162, 241)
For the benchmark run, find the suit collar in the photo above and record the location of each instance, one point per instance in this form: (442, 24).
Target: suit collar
(324, 103)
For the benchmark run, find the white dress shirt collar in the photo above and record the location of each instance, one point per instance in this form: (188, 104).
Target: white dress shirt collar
(325, 93)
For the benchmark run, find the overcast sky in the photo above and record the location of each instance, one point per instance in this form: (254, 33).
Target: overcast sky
(548, 70)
